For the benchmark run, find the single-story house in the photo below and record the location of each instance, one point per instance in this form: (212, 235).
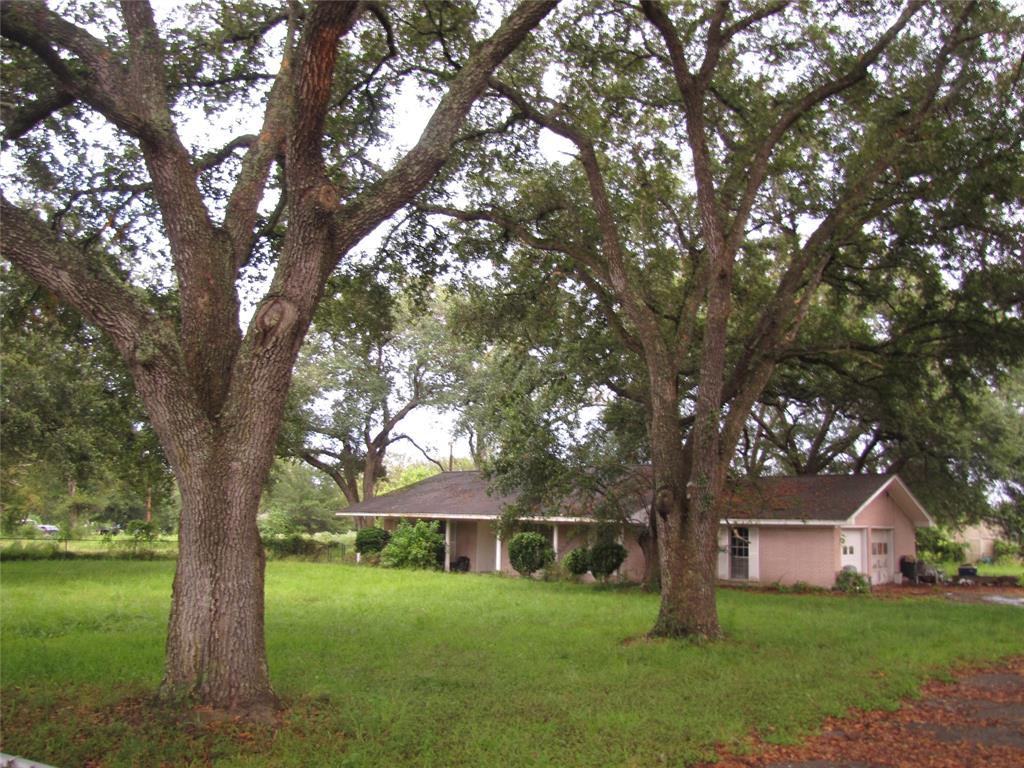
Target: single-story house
(777, 529)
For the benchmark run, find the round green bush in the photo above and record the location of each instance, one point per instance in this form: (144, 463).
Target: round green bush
(369, 541)
(529, 552)
(606, 557)
(578, 561)
(852, 583)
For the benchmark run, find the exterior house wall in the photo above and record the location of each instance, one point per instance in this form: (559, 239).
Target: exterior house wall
(505, 566)
(632, 569)
(884, 512)
(980, 540)
(485, 544)
(789, 554)
(465, 541)
(570, 537)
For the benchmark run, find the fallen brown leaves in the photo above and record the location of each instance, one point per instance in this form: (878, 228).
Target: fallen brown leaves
(977, 720)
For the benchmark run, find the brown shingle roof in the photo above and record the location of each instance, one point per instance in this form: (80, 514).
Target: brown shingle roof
(449, 494)
(804, 497)
(465, 494)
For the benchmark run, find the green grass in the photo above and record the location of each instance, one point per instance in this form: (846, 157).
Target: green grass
(427, 669)
(1002, 567)
(117, 546)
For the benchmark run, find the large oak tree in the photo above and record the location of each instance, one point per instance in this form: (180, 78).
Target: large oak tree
(724, 159)
(106, 192)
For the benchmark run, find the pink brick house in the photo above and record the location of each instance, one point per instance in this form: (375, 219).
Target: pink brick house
(777, 529)
(808, 528)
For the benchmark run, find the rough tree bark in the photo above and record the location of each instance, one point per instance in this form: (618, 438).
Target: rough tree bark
(214, 394)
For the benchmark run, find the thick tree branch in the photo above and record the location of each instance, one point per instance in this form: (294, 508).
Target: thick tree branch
(97, 77)
(782, 318)
(614, 270)
(349, 488)
(586, 268)
(99, 296)
(410, 174)
(144, 340)
(243, 205)
(18, 122)
(749, 20)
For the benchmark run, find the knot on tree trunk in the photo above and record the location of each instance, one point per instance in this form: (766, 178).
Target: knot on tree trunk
(664, 502)
(274, 320)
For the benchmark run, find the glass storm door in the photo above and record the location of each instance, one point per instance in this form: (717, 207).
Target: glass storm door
(739, 553)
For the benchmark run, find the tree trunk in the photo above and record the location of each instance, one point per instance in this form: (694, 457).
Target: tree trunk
(687, 527)
(688, 549)
(215, 645)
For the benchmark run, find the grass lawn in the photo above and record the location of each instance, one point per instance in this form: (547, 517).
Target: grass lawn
(428, 669)
(1003, 567)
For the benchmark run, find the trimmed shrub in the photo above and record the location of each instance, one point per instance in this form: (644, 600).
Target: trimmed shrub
(606, 557)
(578, 561)
(371, 540)
(414, 545)
(529, 552)
(852, 583)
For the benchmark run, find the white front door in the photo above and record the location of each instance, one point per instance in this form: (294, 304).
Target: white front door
(851, 544)
(881, 556)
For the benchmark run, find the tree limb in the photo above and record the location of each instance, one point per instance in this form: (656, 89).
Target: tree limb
(410, 174)
(18, 122)
(422, 450)
(757, 170)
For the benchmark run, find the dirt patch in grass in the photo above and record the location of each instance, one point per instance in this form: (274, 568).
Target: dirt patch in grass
(976, 720)
(969, 593)
(134, 729)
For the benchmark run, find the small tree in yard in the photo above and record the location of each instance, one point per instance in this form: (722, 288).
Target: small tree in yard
(529, 552)
(414, 545)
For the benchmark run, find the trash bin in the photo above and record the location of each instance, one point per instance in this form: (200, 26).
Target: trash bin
(908, 566)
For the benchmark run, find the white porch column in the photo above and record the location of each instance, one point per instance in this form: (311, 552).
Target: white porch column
(497, 553)
(554, 539)
(447, 545)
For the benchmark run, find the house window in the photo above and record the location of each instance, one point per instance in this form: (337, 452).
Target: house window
(879, 547)
(739, 553)
(847, 549)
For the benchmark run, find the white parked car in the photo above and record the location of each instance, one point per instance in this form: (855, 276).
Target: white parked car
(49, 530)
